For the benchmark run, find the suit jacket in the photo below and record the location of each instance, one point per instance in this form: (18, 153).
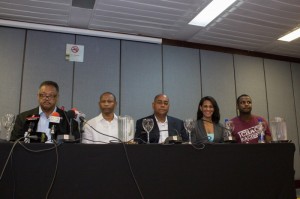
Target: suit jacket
(199, 134)
(21, 126)
(175, 127)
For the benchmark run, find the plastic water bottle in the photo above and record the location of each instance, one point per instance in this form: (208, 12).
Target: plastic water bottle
(261, 131)
(228, 131)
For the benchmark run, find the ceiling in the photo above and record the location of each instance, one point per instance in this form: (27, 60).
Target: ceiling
(252, 25)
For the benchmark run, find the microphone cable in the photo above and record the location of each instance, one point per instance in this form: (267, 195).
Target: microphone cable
(36, 151)
(80, 139)
(56, 164)
(126, 153)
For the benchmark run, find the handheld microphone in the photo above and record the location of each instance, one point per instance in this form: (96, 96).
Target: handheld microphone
(32, 120)
(70, 115)
(78, 114)
(54, 119)
(82, 119)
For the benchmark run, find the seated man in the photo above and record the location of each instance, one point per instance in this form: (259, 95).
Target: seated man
(47, 97)
(106, 122)
(164, 125)
(246, 125)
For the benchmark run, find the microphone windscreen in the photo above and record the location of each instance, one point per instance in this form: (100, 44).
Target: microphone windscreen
(74, 109)
(56, 114)
(71, 114)
(54, 118)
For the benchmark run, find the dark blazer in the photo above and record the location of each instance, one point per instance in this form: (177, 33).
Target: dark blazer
(175, 127)
(199, 134)
(21, 126)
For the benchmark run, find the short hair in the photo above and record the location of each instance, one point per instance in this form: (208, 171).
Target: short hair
(238, 99)
(216, 115)
(161, 94)
(115, 99)
(50, 83)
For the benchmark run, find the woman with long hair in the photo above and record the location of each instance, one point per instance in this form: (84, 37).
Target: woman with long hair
(207, 127)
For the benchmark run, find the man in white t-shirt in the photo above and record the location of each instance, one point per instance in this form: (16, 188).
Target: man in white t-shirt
(106, 122)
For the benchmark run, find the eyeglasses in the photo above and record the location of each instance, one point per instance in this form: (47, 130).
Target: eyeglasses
(45, 96)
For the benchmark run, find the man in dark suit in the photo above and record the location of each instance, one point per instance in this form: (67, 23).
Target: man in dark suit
(47, 97)
(164, 125)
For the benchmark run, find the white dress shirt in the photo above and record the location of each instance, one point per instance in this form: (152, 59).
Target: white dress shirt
(90, 136)
(163, 130)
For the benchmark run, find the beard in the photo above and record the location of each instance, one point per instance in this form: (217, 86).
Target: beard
(245, 111)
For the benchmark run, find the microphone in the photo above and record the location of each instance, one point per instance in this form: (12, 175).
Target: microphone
(174, 139)
(82, 119)
(54, 119)
(78, 114)
(70, 115)
(32, 120)
(62, 108)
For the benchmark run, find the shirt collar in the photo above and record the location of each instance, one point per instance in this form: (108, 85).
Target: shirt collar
(41, 111)
(165, 122)
(102, 119)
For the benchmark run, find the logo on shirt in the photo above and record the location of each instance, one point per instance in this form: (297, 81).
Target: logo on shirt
(249, 134)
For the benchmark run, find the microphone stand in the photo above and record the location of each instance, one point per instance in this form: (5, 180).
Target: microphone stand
(67, 137)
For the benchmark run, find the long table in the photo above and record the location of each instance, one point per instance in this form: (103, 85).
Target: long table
(161, 171)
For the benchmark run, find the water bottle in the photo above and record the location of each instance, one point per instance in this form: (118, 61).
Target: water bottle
(261, 131)
(228, 131)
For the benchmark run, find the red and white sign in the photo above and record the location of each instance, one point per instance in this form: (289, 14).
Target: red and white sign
(74, 52)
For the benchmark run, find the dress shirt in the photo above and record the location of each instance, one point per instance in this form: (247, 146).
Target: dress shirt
(163, 130)
(90, 136)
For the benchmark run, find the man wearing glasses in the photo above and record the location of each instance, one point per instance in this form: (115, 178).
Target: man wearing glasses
(47, 97)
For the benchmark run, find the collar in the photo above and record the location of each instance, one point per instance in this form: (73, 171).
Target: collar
(165, 122)
(41, 111)
(101, 118)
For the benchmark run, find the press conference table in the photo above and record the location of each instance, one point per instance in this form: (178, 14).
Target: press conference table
(162, 171)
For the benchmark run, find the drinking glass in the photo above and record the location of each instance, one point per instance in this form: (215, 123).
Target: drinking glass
(189, 125)
(8, 123)
(148, 125)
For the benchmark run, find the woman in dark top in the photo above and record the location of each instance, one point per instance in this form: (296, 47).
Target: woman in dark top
(207, 127)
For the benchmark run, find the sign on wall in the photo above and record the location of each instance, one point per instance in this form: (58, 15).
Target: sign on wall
(74, 52)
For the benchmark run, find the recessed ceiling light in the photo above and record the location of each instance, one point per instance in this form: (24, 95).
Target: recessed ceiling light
(291, 36)
(210, 12)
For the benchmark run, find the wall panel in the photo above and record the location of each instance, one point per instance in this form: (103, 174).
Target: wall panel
(218, 81)
(135, 72)
(100, 72)
(281, 99)
(296, 82)
(11, 56)
(250, 79)
(45, 60)
(141, 77)
(181, 80)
